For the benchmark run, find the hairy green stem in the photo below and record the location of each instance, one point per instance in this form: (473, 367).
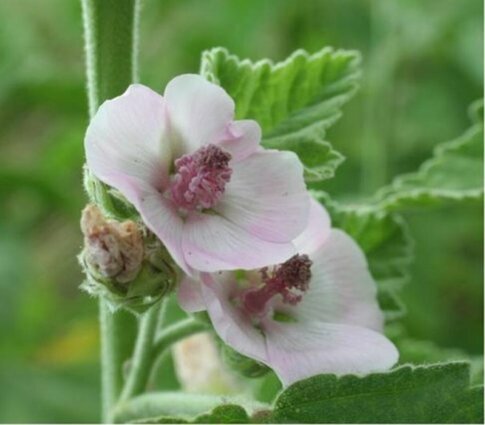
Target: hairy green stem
(141, 361)
(169, 336)
(177, 332)
(110, 44)
(115, 349)
(111, 47)
(162, 315)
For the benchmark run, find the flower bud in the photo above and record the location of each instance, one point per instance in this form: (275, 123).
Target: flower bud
(122, 264)
(241, 364)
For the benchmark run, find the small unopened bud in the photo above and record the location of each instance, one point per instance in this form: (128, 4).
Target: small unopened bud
(123, 263)
(114, 249)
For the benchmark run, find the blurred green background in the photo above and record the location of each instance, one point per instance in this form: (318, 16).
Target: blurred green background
(423, 66)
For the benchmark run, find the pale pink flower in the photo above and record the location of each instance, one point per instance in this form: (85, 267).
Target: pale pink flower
(199, 179)
(315, 313)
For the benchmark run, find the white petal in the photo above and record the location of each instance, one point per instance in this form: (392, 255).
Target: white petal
(189, 295)
(298, 351)
(198, 111)
(235, 329)
(267, 196)
(126, 146)
(241, 139)
(294, 351)
(317, 230)
(341, 289)
(211, 243)
(161, 217)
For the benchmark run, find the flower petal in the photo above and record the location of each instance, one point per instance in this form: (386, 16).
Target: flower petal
(341, 289)
(189, 295)
(297, 351)
(317, 230)
(241, 139)
(211, 243)
(267, 196)
(199, 112)
(126, 144)
(231, 325)
(161, 217)
(294, 350)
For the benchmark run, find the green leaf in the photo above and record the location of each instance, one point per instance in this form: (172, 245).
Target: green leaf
(318, 157)
(294, 101)
(226, 414)
(386, 242)
(427, 394)
(454, 173)
(390, 303)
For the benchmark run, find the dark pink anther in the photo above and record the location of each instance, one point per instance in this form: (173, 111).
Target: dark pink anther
(290, 280)
(201, 178)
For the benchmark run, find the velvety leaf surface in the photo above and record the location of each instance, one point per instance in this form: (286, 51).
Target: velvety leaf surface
(318, 157)
(454, 173)
(226, 414)
(294, 101)
(427, 394)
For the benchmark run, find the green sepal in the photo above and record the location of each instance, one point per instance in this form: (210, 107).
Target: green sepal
(241, 364)
(111, 201)
(202, 316)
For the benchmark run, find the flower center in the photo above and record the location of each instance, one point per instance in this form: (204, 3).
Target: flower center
(290, 280)
(200, 178)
